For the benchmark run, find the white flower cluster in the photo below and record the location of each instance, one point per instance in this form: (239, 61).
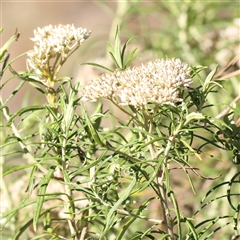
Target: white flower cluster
(52, 46)
(154, 82)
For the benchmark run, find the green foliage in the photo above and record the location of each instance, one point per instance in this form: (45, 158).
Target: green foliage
(118, 55)
(78, 179)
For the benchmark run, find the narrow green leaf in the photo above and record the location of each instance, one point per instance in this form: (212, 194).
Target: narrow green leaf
(19, 86)
(5, 47)
(98, 116)
(175, 203)
(56, 118)
(123, 197)
(25, 76)
(91, 128)
(234, 179)
(209, 79)
(110, 48)
(115, 61)
(117, 48)
(40, 200)
(190, 181)
(208, 227)
(28, 224)
(30, 185)
(92, 164)
(192, 229)
(4, 83)
(9, 143)
(191, 149)
(193, 116)
(97, 65)
(24, 110)
(43, 236)
(125, 45)
(130, 57)
(164, 237)
(136, 215)
(156, 171)
(18, 168)
(4, 65)
(7, 216)
(36, 87)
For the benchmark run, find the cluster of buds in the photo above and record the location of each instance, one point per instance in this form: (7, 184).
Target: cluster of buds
(52, 46)
(154, 82)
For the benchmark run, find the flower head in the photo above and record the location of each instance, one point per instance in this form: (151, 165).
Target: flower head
(52, 46)
(153, 82)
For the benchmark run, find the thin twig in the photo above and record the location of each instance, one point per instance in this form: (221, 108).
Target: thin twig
(226, 111)
(229, 65)
(230, 75)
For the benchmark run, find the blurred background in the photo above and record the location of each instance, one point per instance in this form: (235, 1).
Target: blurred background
(203, 33)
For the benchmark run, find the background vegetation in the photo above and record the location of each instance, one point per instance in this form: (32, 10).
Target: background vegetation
(100, 182)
